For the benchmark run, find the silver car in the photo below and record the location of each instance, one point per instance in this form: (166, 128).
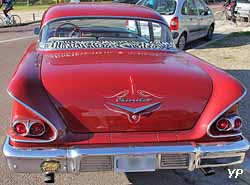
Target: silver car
(188, 20)
(243, 8)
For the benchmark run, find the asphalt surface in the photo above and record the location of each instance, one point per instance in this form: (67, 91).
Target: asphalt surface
(12, 45)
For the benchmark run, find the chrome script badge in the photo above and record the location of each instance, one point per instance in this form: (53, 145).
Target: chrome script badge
(133, 103)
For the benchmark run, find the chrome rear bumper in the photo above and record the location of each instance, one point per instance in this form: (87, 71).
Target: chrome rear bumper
(187, 156)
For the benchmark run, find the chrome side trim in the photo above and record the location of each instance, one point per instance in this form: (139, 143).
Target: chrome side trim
(39, 115)
(29, 160)
(228, 107)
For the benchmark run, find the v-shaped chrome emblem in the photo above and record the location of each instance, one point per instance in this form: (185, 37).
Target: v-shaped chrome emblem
(120, 101)
(136, 110)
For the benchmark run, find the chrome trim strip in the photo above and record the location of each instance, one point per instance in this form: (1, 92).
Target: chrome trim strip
(228, 107)
(104, 17)
(39, 115)
(147, 94)
(172, 49)
(240, 155)
(137, 109)
(71, 157)
(25, 123)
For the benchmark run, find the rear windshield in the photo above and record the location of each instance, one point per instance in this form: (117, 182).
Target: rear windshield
(105, 33)
(243, 1)
(165, 7)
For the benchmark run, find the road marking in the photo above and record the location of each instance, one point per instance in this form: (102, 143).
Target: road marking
(209, 42)
(19, 38)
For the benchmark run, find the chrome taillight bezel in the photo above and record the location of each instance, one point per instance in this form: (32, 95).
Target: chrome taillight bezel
(235, 118)
(28, 124)
(23, 122)
(224, 130)
(48, 123)
(231, 119)
(223, 112)
(31, 123)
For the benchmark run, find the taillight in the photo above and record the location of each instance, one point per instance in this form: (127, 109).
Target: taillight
(223, 124)
(32, 129)
(174, 23)
(29, 128)
(20, 128)
(36, 128)
(237, 123)
(228, 123)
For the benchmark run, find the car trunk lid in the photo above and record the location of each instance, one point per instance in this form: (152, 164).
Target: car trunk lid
(125, 90)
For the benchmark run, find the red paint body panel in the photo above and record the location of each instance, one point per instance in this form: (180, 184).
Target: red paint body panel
(222, 83)
(100, 75)
(71, 88)
(99, 10)
(226, 90)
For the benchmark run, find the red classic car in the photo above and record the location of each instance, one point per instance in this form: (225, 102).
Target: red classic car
(94, 94)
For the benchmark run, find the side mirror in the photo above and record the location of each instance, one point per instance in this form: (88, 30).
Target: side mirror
(36, 31)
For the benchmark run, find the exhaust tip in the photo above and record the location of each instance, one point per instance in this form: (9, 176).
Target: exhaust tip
(49, 178)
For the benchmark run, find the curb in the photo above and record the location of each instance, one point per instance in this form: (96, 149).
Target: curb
(22, 24)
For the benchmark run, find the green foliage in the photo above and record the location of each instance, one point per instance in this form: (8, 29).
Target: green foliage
(242, 33)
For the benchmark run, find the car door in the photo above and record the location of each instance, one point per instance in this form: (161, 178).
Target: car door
(189, 19)
(205, 18)
(243, 7)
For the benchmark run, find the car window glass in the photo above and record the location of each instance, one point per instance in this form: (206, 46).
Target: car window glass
(243, 1)
(131, 26)
(144, 29)
(157, 30)
(189, 8)
(143, 2)
(200, 7)
(152, 4)
(147, 3)
(166, 7)
(112, 31)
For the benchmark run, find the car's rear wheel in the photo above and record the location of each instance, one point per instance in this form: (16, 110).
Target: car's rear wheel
(210, 33)
(181, 44)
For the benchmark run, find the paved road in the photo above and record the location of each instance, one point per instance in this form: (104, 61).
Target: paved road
(10, 52)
